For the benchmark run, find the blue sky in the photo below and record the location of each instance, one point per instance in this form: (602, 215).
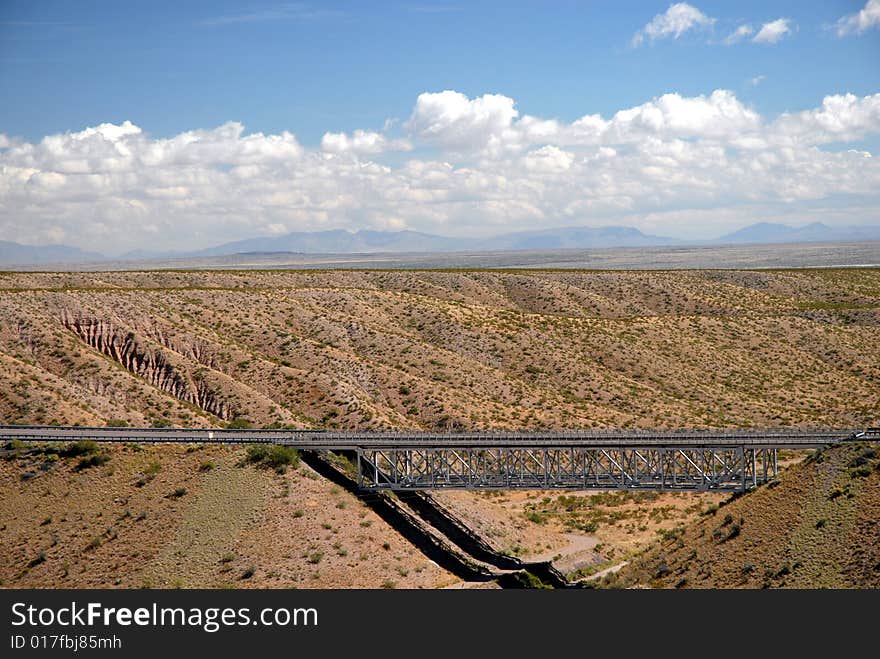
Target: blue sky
(183, 70)
(308, 68)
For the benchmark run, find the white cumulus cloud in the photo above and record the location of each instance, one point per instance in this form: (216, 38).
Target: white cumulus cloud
(362, 142)
(477, 166)
(773, 31)
(864, 19)
(718, 115)
(674, 22)
(842, 118)
(452, 120)
(548, 159)
(739, 34)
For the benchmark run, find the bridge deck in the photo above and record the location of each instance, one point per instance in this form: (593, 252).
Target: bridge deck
(615, 459)
(319, 440)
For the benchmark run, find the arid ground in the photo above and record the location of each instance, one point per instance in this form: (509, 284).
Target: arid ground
(367, 350)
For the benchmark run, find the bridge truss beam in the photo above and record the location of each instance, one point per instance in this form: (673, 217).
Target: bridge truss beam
(509, 468)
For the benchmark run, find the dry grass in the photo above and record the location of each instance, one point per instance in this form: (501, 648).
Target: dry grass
(401, 349)
(815, 528)
(581, 532)
(127, 524)
(442, 350)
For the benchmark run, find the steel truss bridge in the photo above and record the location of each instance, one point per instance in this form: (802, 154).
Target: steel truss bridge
(647, 460)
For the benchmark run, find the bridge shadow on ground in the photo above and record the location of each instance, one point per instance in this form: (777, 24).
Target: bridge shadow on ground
(455, 547)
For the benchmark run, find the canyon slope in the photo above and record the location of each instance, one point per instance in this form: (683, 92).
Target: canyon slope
(816, 527)
(442, 350)
(434, 350)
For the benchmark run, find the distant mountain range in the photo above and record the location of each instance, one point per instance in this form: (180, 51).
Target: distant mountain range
(572, 238)
(365, 242)
(765, 232)
(17, 254)
(339, 241)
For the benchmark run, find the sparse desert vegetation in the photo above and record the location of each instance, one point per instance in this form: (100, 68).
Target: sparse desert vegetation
(396, 349)
(816, 527)
(441, 349)
(189, 527)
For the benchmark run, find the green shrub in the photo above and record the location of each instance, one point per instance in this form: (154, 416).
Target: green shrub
(529, 580)
(49, 461)
(272, 456)
(14, 445)
(863, 458)
(671, 534)
(862, 471)
(535, 516)
(117, 423)
(239, 423)
(733, 531)
(257, 453)
(95, 460)
(206, 466)
(76, 449)
(149, 474)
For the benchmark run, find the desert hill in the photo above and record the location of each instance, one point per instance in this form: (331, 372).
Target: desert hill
(442, 349)
(815, 527)
(186, 517)
(399, 349)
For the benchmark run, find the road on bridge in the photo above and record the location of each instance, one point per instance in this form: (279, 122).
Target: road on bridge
(328, 440)
(616, 459)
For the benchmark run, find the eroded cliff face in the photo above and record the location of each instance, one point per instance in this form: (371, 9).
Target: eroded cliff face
(191, 347)
(149, 360)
